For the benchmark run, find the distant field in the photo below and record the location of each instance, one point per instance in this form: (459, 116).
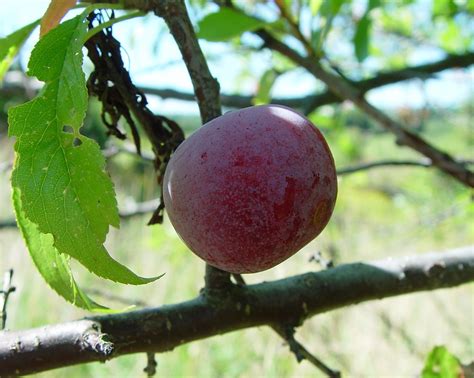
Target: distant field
(380, 213)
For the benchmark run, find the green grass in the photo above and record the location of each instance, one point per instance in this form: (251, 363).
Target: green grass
(380, 213)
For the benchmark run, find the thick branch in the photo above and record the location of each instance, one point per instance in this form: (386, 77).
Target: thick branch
(287, 301)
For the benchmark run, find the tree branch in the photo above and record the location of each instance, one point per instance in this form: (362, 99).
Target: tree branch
(392, 163)
(345, 90)
(301, 353)
(306, 103)
(288, 301)
(7, 289)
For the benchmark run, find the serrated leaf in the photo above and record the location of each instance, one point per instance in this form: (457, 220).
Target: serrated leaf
(57, 9)
(264, 87)
(440, 363)
(64, 189)
(226, 24)
(361, 38)
(11, 44)
(52, 265)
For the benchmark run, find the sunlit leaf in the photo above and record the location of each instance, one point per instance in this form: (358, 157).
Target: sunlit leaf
(441, 364)
(315, 5)
(60, 173)
(226, 24)
(452, 39)
(264, 87)
(361, 38)
(330, 8)
(11, 44)
(444, 8)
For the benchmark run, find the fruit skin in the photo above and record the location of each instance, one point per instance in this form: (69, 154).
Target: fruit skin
(251, 188)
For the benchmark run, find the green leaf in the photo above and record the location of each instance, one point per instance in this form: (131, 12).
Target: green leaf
(264, 87)
(11, 44)
(444, 8)
(60, 173)
(52, 265)
(315, 5)
(226, 24)
(441, 364)
(452, 39)
(373, 4)
(361, 38)
(331, 8)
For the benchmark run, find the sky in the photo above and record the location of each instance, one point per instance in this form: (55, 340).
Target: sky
(165, 69)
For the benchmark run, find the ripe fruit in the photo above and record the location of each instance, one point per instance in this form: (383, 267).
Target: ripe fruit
(251, 188)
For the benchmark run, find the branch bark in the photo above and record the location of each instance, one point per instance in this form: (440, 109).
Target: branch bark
(306, 103)
(345, 90)
(311, 102)
(288, 301)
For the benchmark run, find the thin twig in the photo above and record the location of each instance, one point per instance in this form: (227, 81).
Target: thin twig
(133, 209)
(307, 103)
(392, 163)
(5, 293)
(151, 364)
(301, 353)
(346, 90)
(116, 298)
(129, 210)
(127, 148)
(287, 333)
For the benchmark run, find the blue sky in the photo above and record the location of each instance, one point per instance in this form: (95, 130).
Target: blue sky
(165, 69)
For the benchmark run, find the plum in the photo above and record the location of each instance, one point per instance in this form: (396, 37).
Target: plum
(251, 188)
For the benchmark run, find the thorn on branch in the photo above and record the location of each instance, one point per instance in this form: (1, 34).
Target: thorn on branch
(7, 289)
(151, 364)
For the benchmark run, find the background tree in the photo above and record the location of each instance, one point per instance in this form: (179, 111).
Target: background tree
(344, 49)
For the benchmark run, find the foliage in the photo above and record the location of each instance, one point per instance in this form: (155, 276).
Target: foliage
(57, 167)
(11, 44)
(440, 363)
